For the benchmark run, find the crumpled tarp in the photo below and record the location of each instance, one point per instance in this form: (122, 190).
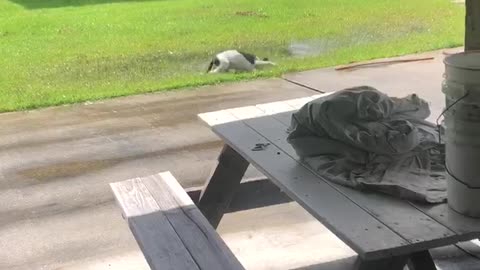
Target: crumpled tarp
(362, 138)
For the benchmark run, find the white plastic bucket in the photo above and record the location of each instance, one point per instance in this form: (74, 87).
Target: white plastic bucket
(462, 118)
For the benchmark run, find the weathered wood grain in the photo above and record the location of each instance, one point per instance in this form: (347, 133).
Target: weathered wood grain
(159, 242)
(170, 230)
(220, 188)
(314, 195)
(467, 228)
(410, 223)
(198, 236)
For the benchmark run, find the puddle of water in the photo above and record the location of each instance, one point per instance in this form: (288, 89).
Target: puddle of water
(312, 47)
(321, 46)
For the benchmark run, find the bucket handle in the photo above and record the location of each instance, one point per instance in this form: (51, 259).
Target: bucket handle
(440, 141)
(446, 110)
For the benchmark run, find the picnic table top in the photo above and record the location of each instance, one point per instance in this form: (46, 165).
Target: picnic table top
(372, 224)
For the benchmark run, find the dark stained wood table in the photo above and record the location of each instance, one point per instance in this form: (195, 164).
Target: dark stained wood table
(387, 233)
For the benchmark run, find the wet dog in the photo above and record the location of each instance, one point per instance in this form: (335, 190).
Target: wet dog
(237, 61)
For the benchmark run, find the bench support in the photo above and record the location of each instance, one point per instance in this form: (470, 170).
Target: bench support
(392, 263)
(421, 261)
(221, 187)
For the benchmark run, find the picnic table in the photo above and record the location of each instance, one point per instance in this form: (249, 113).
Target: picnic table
(387, 233)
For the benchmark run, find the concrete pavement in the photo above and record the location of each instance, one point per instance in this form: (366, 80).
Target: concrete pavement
(56, 163)
(57, 211)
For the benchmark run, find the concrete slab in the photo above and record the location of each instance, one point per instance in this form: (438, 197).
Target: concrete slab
(400, 79)
(289, 238)
(56, 163)
(284, 237)
(279, 237)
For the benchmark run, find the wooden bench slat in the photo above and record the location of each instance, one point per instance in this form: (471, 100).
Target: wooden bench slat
(133, 198)
(198, 236)
(172, 216)
(158, 241)
(410, 223)
(312, 193)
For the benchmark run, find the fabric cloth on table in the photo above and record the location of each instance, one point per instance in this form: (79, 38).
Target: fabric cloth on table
(362, 138)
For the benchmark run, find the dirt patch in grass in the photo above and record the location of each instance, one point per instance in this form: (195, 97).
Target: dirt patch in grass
(251, 14)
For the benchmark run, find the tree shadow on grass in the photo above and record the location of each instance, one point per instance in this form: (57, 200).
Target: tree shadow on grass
(39, 4)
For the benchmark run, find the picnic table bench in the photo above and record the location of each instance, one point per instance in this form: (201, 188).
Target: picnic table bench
(387, 233)
(169, 228)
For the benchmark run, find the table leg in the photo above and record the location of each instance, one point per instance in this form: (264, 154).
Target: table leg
(393, 263)
(421, 261)
(220, 188)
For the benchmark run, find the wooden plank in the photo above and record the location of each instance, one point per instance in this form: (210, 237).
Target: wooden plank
(275, 107)
(453, 258)
(158, 241)
(243, 113)
(421, 261)
(306, 189)
(215, 204)
(472, 25)
(220, 188)
(199, 238)
(131, 197)
(216, 118)
(225, 116)
(284, 118)
(298, 102)
(404, 219)
(322, 95)
(250, 195)
(467, 228)
(256, 194)
(471, 248)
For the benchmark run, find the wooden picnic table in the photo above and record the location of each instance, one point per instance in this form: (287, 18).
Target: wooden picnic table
(387, 233)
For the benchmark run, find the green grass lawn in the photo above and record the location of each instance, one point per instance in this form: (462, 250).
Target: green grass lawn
(64, 51)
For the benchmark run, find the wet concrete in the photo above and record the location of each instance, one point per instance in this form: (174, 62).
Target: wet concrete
(56, 163)
(57, 211)
(395, 79)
